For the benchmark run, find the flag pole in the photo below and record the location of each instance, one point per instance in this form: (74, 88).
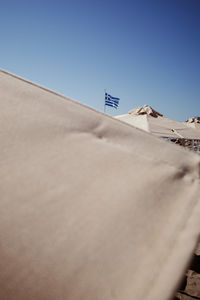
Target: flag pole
(104, 101)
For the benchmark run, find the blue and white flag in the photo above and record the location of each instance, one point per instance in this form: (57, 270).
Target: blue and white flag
(111, 101)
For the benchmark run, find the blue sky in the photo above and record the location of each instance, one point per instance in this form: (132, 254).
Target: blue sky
(143, 51)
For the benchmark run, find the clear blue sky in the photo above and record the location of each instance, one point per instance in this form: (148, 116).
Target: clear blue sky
(143, 51)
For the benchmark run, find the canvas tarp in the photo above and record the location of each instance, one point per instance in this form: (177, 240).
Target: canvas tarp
(90, 207)
(153, 122)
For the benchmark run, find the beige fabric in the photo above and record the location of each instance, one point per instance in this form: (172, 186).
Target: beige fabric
(151, 121)
(90, 208)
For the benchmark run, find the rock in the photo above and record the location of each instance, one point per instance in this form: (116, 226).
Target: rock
(193, 284)
(180, 296)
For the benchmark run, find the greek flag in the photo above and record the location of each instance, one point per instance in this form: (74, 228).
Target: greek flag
(111, 101)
